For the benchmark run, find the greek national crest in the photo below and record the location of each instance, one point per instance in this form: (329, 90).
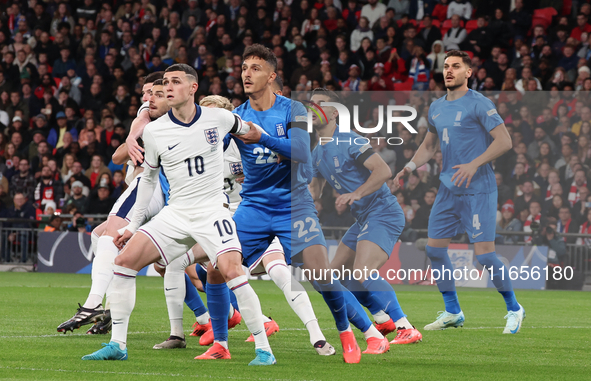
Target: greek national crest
(236, 168)
(212, 136)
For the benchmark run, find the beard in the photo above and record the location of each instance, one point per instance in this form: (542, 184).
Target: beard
(47, 177)
(455, 86)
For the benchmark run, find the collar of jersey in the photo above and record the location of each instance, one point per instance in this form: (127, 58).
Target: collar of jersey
(175, 120)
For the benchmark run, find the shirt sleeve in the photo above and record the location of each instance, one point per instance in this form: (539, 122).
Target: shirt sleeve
(147, 184)
(297, 145)
(430, 122)
(151, 156)
(360, 153)
(487, 114)
(144, 106)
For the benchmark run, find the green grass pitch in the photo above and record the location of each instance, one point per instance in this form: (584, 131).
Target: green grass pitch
(554, 343)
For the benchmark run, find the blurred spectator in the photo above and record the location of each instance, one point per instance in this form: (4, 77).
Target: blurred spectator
(77, 175)
(421, 218)
(373, 10)
(79, 224)
(508, 222)
(548, 237)
(524, 201)
(56, 135)
(534, 220)
(48, 189)
(456, 35)
(579, 180)
(22, 209)
(23, 181)
(566, 224)
(77, 198)
(97, 168)
(461, 8)
(585, 229)
(99, 201)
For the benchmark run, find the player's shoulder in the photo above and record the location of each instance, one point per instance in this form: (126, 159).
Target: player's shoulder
(475, 96)
(159, 123)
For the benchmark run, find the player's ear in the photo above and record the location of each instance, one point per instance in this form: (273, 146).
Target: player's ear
(193, 89)
(272, 77)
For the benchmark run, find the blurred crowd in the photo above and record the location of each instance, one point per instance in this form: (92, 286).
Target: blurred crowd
(72, 71)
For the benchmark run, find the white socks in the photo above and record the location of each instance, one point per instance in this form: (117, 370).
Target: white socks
(122, 302)
(174, 291)
(203, 319)
(296, 297)
(403, 323)
(373, 332)
(381, 317)
(102, 270)
(250, 308)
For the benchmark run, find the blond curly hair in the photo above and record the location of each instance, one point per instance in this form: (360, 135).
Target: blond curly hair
(218, 101)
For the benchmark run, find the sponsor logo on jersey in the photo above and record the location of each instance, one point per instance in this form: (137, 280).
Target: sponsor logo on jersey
(280, 129)
(212, 136)
(435, 116)
(236, 168)
(491, 112)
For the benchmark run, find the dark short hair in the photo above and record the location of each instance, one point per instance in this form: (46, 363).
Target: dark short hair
(332, 96)
(158, 82)
(188, 70)
(279, 82)
(463, 55)
(153, 77)
(262, 52)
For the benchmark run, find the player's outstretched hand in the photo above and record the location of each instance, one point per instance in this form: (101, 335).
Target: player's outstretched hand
(347, 198)
(134, 150)
(122, 239)
(405, 172)
(240, 179)
(252, 136)
(464, 173)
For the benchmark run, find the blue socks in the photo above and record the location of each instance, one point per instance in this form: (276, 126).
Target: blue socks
(355, 313)
(500, 278)
(192, 298)
(233, 300)
(381, 290)
(376, 295)
(439, 262)
(218, 301)
(334, 298)
(202, 274)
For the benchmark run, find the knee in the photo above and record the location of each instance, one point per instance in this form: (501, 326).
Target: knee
(436, 252)
(233, 273)
(120, 261)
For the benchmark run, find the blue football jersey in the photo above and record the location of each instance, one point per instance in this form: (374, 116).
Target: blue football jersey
(463, 127)
(267, 182)
(342, 166)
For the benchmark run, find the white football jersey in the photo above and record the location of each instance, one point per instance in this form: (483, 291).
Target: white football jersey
(232, 169)
(144, 106)
(191, 156)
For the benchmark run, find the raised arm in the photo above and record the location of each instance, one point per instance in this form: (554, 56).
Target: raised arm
(380, 173)
(425, 152)
(137, 129)
(121, 155)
